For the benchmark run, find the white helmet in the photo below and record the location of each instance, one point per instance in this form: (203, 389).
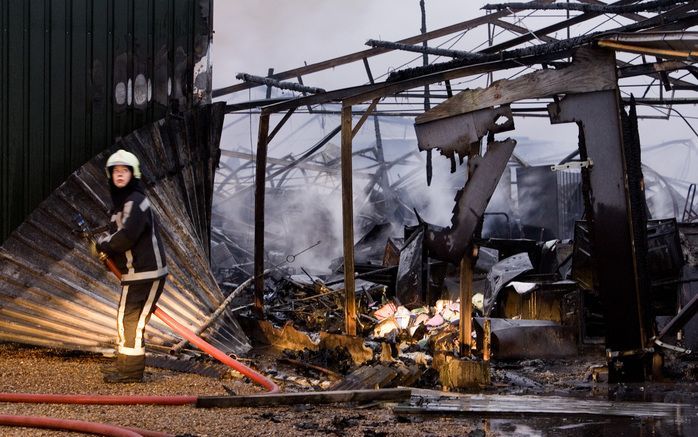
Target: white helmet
(122, 157)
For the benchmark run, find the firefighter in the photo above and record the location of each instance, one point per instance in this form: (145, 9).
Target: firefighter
(133, 243)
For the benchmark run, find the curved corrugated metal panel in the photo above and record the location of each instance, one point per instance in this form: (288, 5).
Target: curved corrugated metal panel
(53, 292)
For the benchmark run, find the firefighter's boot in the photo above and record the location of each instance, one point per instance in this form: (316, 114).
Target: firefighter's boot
(111, 365)
(128, 369)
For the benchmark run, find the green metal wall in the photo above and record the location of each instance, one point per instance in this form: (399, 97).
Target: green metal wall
(75, 75)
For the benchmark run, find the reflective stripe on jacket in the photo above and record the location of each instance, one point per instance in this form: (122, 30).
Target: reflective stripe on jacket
(134, 243)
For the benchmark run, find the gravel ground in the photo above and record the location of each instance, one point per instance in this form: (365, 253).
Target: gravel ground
(25, 369)
(36, 370)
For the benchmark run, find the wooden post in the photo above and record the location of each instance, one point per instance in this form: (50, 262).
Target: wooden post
(466, 304)
(348, 223)
(466, 282)
(487, 335)
(260, 182)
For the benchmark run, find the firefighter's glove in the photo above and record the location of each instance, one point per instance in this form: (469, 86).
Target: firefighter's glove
(101, 239)
(92, 246)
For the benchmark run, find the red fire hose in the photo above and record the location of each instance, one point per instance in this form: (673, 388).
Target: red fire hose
(216, 353)
(42, 398)
(77, 425)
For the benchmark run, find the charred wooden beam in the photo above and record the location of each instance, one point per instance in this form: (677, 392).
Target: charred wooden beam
(278, 84)
(539, 34)
(242, 106)
(217, 313)
(459, 54)
(584, 75)
(680, 320)
(631, 16)
(280, 124)
(559, 47)
(650, 6)
(425, 55)
(348, 223)
(362, 120)
(649, 68)
(529, 36)
(550, 51)
(458, 133)
(522, 31)
(260, 173)
(330, 96)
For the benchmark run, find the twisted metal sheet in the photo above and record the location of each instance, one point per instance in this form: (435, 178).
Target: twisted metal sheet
(54, 293)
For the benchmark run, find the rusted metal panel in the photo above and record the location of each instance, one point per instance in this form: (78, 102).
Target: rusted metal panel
(54, 293)
(75, 75)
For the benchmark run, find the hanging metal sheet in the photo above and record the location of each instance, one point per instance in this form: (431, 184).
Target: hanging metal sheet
(450, 244)
(54, 293)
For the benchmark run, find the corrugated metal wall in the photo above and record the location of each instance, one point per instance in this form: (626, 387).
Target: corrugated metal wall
(75, 75)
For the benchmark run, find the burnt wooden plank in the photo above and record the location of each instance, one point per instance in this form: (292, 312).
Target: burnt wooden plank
(589, 72)
(327, 397)
(655, 67)
(462, 132)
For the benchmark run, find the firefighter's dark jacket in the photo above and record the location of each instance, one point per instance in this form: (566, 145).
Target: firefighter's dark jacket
(134, 243)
